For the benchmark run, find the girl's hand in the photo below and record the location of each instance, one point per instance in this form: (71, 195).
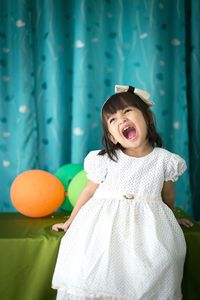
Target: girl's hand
(185, 222)
(62, 226)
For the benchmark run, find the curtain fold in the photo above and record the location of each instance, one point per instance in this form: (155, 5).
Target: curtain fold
(193, 93)
(60, 61)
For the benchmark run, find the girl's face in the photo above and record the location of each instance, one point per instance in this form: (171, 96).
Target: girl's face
(128, 128)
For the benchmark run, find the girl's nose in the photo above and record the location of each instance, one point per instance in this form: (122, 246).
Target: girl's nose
(122, 119)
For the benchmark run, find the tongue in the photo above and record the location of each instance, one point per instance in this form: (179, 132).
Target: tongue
(130, 133)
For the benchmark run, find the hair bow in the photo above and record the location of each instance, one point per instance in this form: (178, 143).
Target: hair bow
(144, 96)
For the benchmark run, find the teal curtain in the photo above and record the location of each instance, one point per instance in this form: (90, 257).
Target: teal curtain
(193, 94)
(59, 62)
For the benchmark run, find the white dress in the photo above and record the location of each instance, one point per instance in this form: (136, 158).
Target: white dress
(125, 243)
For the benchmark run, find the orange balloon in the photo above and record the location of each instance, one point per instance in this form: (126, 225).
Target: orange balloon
(37, 193)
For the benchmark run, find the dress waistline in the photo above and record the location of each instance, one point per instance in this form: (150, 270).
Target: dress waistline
(129, 196)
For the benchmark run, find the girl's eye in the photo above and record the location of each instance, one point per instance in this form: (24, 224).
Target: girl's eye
(111, 120)
(127, 110)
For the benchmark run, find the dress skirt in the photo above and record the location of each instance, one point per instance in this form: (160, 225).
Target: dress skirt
(122, 249)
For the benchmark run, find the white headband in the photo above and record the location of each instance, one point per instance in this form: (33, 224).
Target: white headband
(144, 96)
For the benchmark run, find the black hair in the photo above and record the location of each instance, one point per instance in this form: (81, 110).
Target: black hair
(120, 101)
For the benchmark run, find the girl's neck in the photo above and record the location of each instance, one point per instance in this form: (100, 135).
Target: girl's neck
(140, 151)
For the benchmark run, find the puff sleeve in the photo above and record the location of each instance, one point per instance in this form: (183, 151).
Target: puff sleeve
(175, 167)
(95, 166)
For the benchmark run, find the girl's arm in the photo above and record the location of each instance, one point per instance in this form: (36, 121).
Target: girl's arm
(85, 195)
(168, 199)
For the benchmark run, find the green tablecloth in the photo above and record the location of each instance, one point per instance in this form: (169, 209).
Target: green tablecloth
(28, 251)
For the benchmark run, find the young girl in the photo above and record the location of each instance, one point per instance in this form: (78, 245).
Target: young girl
(123, 241)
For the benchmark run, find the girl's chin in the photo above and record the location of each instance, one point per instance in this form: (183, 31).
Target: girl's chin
(130, 143)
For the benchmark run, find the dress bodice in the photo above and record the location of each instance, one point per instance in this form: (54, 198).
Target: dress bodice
(134, 175)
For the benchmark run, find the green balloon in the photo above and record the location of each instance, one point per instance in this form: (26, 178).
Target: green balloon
(65, 174)
(76, 186)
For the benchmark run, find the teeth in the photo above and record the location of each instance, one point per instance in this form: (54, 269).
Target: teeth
(125, 128)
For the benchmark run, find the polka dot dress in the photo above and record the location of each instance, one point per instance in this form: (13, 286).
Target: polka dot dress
(125, 243)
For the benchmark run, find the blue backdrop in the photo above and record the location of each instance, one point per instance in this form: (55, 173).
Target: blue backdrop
(60, 60)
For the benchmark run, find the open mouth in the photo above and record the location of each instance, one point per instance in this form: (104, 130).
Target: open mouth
(129, 133)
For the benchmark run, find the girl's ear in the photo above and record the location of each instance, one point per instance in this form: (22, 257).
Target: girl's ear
(113, 140)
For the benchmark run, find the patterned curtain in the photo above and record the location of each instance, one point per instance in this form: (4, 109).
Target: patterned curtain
(59, 62)
(193, 94)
